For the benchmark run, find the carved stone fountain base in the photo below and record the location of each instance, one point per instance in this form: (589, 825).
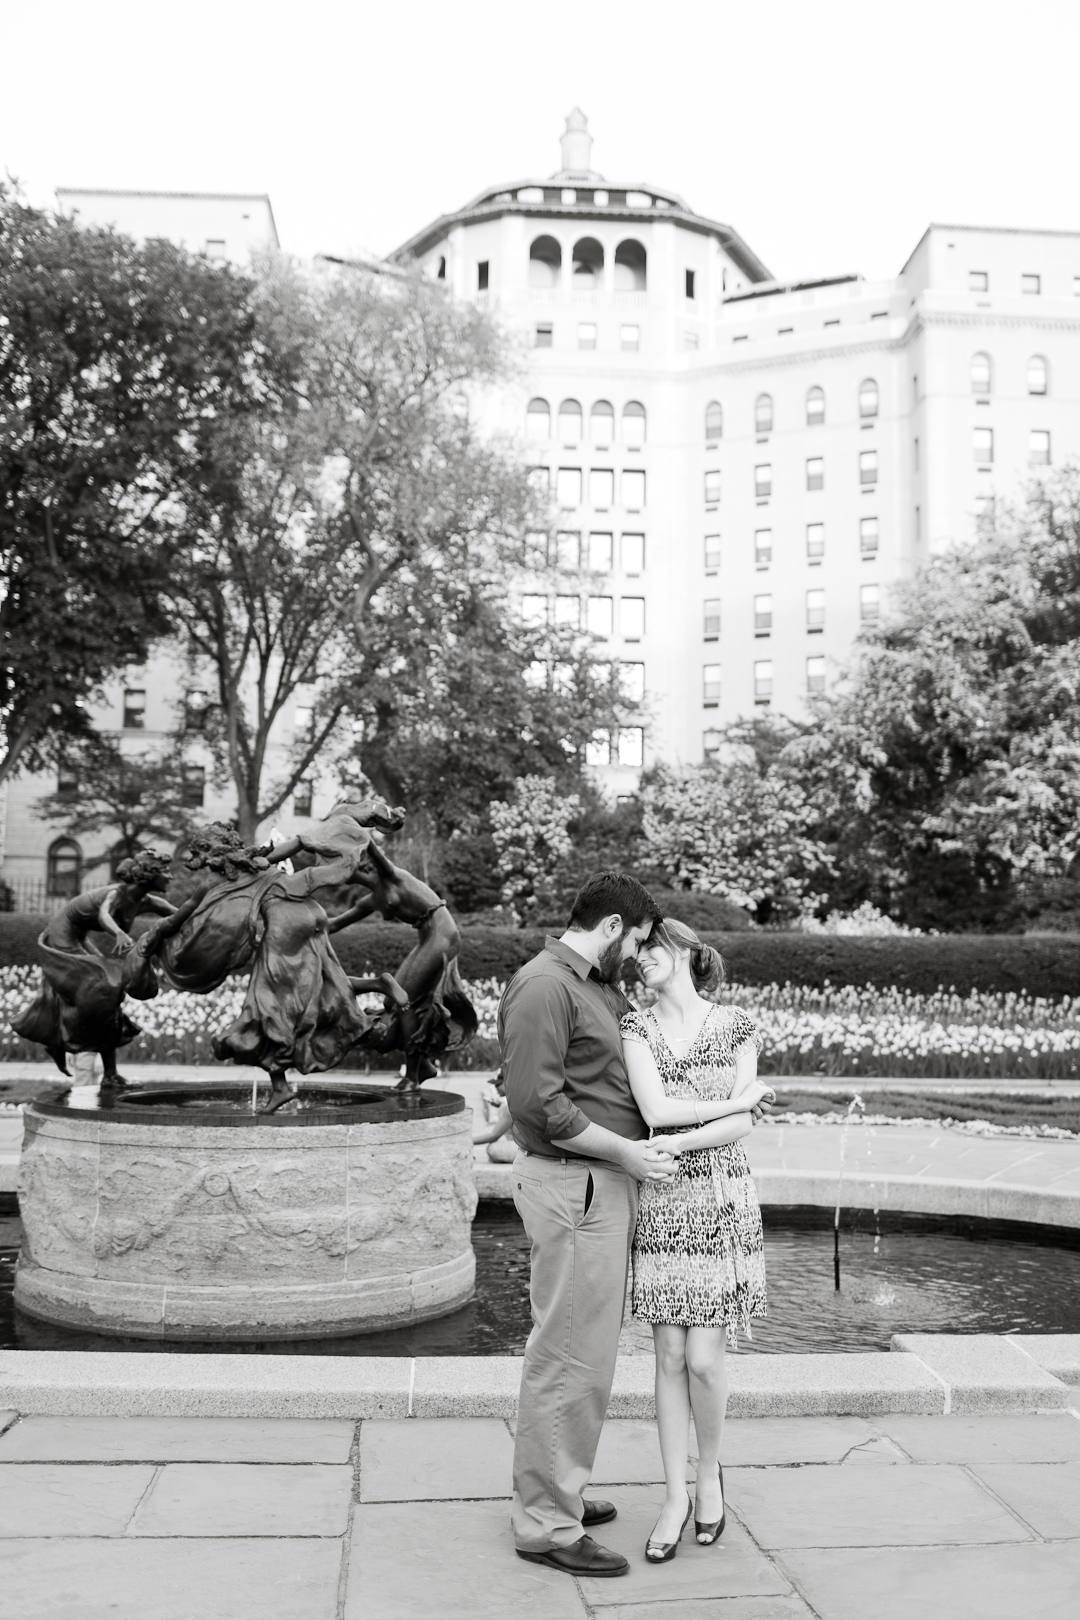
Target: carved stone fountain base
(164, 1223)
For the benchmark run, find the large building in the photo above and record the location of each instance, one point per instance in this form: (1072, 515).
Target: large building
(742, 467)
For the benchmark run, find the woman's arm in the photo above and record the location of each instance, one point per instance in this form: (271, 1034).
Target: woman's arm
(495, 1127)
(745, 1068)
(109, 922)
(731, 1129)
(657, 1109)
(158, 902)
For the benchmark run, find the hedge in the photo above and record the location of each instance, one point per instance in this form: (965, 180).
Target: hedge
(1042, 965)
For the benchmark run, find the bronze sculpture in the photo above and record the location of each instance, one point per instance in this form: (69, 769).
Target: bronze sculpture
(79, 1007)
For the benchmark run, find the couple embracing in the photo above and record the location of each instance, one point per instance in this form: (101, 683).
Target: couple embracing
(587, 1076)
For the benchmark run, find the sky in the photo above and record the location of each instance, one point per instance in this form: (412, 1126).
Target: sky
(829, 133)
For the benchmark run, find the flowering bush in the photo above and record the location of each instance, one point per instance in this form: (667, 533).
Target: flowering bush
(865, 922)
(531, 837)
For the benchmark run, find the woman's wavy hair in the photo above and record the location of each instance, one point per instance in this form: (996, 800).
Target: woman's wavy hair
(145, 867)
(220, 848)
(706, 964)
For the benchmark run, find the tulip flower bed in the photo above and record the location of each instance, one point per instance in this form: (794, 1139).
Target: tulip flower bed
(842, 1033)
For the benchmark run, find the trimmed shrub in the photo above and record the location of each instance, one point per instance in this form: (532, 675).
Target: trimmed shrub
(1042, 966)
(486, 953)
(19, 932)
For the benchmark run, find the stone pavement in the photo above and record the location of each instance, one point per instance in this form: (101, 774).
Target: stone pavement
(842, 1518)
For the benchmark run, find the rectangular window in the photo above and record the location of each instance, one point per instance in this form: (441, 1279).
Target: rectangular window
(304, 722)
(535, 675)
(568, 611)
(600, 553)
(630, 339)
(599, 613)
(215, 249)
(1038, 448)
(867, 468)
(868, 536)
(544, 335)
(633, 491)
(1031, 284)
(815, 611)
(632, 682)
(601, 489)
(763, 480)
(632, 547)
(568, 550)
(632, 617)
(916, 450)
(598, 749)
(984, 509)
(482, 276)
(815, 676)
(763, 681)
(762, 615)
(67, 780)
(710, 688)
(192, 786)
(712, 553)
(762, 548)
(869, 603)
(710, 744)
(982, 444)
(815, 542)
(568, 487)
(196, 709)
(689, 283)
(586, 335)
(712, 618)
(540, 480)
(978, 281)
(134, 709)
(301, 799)
(815, 472)
(712, 487)
(631, 747)
(690, 340)
(534, 611)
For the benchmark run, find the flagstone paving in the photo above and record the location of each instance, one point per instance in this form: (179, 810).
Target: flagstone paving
(841, 1518)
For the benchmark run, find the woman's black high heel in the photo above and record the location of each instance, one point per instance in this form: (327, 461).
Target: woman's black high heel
(665, 1550)
(706, 1534)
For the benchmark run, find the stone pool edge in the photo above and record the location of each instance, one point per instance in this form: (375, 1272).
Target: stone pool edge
(931, 1374)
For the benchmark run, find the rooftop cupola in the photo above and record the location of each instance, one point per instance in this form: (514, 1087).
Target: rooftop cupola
(576, 143)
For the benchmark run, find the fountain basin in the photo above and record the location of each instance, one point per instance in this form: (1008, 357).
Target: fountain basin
(181, 1215)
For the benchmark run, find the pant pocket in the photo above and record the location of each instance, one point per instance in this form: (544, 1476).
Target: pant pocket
(589, 1190)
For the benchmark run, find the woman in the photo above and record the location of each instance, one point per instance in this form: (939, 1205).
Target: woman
(80, 1005)
(699, 1269)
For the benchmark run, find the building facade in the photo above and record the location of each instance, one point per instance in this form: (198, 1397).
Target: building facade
(220, 225)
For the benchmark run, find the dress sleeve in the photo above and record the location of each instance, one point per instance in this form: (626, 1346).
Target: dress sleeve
(743, 1029)
(632, 1028)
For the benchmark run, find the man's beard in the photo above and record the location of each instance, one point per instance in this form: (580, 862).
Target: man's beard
(610, 960)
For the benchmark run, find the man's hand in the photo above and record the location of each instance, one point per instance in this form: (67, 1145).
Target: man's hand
(646, 1162)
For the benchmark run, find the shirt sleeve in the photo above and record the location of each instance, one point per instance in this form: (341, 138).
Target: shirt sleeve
(536, 1023)
(743, 1029)
(632, 1029)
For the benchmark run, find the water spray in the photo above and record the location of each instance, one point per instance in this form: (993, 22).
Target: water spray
(856, 1102)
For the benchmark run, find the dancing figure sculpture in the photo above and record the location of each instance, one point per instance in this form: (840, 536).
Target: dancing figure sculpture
(79, 1007)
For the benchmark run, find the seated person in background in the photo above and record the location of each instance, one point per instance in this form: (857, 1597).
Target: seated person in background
(501, 1147)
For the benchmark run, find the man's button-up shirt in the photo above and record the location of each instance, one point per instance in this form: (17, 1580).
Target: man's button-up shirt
(562, 1056)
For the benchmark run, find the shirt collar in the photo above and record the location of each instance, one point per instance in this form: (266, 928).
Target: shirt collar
(583, 969)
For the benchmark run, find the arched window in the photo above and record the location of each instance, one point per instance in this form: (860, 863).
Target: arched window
(602, 424)
(714, 421)
(633, 425)
(588, 264)
(763, 417)
(569, 422)
(440, 274)
(538, 420)
(980, 374)
(630, 264)
(868, 397)
(1038, 376)
(545, 262)
(64, 869)
(815, 407)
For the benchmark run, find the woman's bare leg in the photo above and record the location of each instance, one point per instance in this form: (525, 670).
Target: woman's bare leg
(673, 1422)
(280, 1091)
(706, 1365)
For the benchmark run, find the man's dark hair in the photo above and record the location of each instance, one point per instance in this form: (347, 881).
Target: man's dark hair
(606, 894)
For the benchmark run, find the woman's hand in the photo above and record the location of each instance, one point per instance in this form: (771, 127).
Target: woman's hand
(124, 942)
(667, 1144)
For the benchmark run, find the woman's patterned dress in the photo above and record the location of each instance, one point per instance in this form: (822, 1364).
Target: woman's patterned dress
(698, 1255)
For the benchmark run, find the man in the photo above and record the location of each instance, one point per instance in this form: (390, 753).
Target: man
(583, 1150)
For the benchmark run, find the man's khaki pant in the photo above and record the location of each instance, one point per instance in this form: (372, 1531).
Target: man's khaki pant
(580, 1220)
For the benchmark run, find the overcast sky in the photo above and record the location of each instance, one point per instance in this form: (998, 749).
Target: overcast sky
(829, 133)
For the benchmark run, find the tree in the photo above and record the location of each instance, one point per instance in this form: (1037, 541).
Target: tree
(532, 840)
(117, 362)
(947, 769)
(139, 797)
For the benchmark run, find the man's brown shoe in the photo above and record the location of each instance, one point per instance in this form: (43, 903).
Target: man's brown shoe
(597, 1512)
(584, 1557)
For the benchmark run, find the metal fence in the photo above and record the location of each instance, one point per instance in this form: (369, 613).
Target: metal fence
(30, 894)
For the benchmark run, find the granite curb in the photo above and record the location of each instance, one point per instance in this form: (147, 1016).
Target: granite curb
(923, 1374)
